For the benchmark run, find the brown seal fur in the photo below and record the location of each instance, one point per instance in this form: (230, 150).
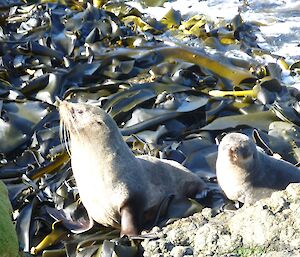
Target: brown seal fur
(246, 174)
(117, 188)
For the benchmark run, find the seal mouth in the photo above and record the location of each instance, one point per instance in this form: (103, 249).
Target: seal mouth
(68, 115)
(67, 122)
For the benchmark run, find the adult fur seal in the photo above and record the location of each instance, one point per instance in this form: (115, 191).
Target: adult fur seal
(117, 188)
(246, 174)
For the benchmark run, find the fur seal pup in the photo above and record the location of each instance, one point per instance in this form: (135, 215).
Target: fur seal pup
(246, 174)
(117, 188)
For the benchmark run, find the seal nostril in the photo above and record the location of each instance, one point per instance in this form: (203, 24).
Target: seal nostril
(232, 150)
(72, 112)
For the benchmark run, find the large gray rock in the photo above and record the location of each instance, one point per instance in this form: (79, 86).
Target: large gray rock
(270, 227)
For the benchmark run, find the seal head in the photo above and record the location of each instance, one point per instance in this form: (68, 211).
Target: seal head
(239, 149)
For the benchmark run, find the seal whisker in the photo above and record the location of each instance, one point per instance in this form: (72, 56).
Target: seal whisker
(64, 136)
(66, 140)
(73, 125)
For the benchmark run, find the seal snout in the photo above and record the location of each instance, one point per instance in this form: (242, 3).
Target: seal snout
(65, 105)
(70, 109)
(233, 154)
(238, 148)
(70, 116)
(74, 111)
(239, 152)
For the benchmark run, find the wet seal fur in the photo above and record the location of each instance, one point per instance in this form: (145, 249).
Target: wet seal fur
(117, 188)
(246, 174)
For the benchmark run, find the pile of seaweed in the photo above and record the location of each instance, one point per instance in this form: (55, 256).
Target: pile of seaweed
(168, 83)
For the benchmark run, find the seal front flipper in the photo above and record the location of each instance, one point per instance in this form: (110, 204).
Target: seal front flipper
(131, 217)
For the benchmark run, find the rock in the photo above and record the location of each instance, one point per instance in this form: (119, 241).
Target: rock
(180, 251)
(282, 254)
(270, 227)
(8, 238)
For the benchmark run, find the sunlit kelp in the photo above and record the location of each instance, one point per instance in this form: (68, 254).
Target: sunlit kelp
(168, 83)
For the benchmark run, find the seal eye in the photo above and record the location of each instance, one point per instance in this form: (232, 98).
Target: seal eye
(80, 111)
(99, 122)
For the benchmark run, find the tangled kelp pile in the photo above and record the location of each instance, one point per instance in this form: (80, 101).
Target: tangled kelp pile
(169, 84)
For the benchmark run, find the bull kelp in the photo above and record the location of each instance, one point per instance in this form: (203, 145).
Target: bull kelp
(170, 84)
